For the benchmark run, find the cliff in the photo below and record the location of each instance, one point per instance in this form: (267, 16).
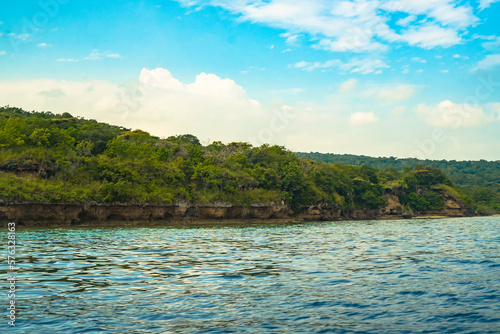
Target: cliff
(183, 212)
(453, 207)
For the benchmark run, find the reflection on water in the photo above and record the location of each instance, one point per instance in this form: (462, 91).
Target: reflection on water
(341, 277)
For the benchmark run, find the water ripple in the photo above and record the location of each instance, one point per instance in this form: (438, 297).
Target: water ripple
(422, 276)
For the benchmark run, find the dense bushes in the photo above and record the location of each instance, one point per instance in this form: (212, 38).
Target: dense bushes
(59, 158)
(480, 180)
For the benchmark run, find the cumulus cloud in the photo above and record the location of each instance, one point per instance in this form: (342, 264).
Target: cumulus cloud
(361, 118)
(160, 78)
(210, 107)
(215, 108)
(43, 45)
(455, 115)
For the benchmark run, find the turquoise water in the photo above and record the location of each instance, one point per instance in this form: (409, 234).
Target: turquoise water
(407, 276)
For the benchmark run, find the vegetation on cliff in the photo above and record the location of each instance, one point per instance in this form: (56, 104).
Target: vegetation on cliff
(480, 180)
(59, 158)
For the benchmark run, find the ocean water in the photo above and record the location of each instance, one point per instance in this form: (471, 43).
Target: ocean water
(404, 276)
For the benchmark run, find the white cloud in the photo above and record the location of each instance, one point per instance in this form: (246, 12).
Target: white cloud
(354, 42)
(210, 85)
(364, 66)
(397, 93)
(69, 60)
(348, 86)
(490, 61)
(361, 118)
(494, 42)
(445, 71)
(290, 38)
(44, 45)
(355, 65)
(449, 114)
(3, 53)
(216, 108)
(445, 12)
(483, 4)
(356, 26)
(307, 66)
(418, 60)
(407, 20)
(405, 71)
(96, 55)
(457, 56)
(429, 36)
(160, 78)
(210, 107)
(23, 37)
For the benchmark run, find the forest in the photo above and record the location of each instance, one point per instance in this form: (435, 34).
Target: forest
(480, 180)
(58, 158)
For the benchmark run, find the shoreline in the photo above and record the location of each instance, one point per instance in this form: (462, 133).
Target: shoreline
(187, 214)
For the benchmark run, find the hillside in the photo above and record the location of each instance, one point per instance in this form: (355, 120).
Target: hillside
(49, 158)
(480, 180)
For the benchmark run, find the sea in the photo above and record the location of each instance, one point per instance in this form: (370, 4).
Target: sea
(380, 276)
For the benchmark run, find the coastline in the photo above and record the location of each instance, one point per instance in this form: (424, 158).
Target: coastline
(188, 214)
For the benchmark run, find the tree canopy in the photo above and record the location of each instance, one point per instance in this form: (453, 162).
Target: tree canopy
(47, 157)
(480, 180)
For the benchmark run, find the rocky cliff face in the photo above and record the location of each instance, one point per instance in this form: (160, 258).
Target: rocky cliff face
(25, 167)
(39, 214)
(394, 209)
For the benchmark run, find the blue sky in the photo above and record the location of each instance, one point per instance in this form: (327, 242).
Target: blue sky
(381, 78)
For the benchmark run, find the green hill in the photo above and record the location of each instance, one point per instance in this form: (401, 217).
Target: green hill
(480, 180)
(49, 158)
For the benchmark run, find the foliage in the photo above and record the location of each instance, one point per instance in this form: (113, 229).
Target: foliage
(479, 180)
(60, 158)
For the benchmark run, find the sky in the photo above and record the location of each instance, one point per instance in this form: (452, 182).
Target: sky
(400, 78)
